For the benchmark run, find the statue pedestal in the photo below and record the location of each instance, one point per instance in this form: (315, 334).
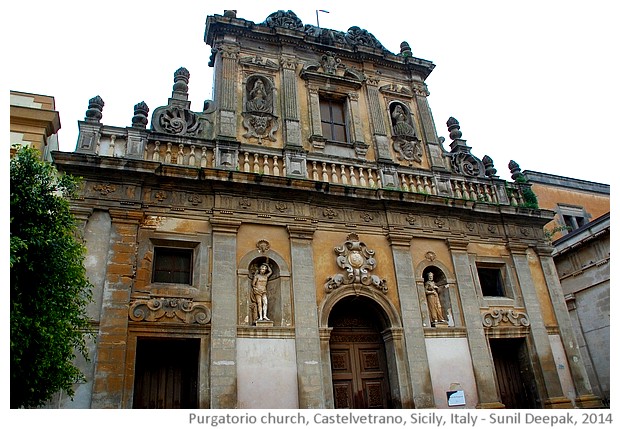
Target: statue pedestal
(440, 324)
(264, 323)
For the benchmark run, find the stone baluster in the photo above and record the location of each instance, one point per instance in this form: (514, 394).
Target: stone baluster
(192, 155)
(112, 144)
(246, 162)
(334, 174)
(362, 177)
(276, 167)
(371, 181)
(403, 183)
(156, 151)
(266, 165)
(180, 155)
(343, 174)
(168, 157)
(203, 157)
(352, 175)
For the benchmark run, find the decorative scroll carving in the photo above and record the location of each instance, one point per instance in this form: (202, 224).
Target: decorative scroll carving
(284, 19)
(499, 316)
(466, 163)
(358, 36)
(177, 120)
(398, 90)
(258, 61)
(357, 260)
(169, 310)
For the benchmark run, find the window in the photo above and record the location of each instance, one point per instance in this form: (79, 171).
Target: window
(172, 265)
(491, 281)
(333, 119)
(573, 217)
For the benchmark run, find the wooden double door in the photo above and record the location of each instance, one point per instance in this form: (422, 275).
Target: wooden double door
(166, 373)
(358, 357)
(359, 373)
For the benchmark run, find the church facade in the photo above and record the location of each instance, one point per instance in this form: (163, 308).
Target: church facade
(306, 241)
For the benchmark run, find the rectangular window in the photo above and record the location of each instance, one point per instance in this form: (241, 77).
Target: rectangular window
(491, 281)
(172, 265)
(333, 119)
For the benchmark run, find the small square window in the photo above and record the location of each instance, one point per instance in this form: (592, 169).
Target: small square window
(172, 265)
(491, 281)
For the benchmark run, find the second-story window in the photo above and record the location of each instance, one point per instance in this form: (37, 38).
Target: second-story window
(172, 265)
(333, 119)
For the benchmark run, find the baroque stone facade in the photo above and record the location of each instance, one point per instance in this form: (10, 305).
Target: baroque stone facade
(314, 184)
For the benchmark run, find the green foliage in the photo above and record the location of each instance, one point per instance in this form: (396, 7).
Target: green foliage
(529, 196)
(49, 287)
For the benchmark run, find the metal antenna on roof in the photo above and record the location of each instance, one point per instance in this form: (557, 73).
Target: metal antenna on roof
(317, 16)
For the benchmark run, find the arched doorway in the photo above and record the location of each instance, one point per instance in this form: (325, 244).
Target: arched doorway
(357, 352)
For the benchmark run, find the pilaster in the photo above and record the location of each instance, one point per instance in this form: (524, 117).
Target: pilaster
(223, 357)
(112, 339)
(538, 330)
(583, 389)
(419, 372)
(377, 121)
(225, 90)
(290, 105)
(307, 336)
(482, 361)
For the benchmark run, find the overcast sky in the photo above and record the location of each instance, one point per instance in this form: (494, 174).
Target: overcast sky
(532, 81)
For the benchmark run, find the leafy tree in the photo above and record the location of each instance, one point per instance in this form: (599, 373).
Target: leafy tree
(49, 286)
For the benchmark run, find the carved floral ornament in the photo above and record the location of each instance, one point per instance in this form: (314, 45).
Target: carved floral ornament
(169, 310)
(357, 260)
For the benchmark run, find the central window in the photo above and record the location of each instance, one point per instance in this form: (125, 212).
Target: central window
(491, 281)
(172, 265)
(333, 119)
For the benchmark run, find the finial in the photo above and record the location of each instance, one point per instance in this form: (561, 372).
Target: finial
(489, 168)
(230, 13)
(515, 170)
(95, 109)
(140, 112)
(405, 50)
(454, 128)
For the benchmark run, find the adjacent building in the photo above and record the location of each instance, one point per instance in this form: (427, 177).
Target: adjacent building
(34, 122)
(581, 234)
(305, 240)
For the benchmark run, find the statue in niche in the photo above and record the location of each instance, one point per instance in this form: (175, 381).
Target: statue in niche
(399, 121)
(434, 303)
(259, 290)
(257, 100)
(406, 142)
(258, 118)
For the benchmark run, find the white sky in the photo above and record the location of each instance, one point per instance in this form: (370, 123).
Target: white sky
(532, 81)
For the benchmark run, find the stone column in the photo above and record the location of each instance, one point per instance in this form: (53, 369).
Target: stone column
(481, 358)
(538, 330)
(226, 90)
(314, 105)
(357, 132)
(377, 121)
(583, 389)
(433, 144)
(111, 365)
(290, 105)
(415, 344)
(223, 356)
(307, 336)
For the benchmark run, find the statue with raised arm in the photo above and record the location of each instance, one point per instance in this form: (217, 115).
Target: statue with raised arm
(259, 290)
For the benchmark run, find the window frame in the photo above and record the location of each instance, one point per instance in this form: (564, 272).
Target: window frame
(340, 101)
(157, 249)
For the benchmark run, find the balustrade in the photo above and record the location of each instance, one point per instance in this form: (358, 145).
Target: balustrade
(321, 170)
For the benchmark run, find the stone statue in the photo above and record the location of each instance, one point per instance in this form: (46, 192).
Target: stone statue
(432, 297)
(257, 101)
(259, 290)
(400, 124)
